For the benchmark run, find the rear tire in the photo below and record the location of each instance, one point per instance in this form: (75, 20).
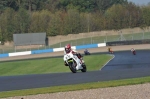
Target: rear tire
(84, 68)
(134, 53)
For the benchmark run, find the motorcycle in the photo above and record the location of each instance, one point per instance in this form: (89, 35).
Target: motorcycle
(110, 51)
(74, 63)
(86, 52)
(134, 52)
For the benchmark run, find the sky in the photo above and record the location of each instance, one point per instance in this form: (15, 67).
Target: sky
(140, 2)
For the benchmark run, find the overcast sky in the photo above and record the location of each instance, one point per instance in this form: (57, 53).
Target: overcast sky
(140, 2)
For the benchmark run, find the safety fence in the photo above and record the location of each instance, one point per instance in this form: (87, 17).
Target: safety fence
(130, 42)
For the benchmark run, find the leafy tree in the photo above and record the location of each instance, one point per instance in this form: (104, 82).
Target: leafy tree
(133, 13)
(44, 18)
(72, 22)
(115, 15)
(3, 5)
(103, 5)
(63, 23)
(32, 5)
(22, 20)
(51, 5)
(97, 21)
(54, 25)
(14, 4)
(40, 21)
(123, 16)
(7, 24)
(34, 22)
(80, 5)
(83, 22)
(146, 15)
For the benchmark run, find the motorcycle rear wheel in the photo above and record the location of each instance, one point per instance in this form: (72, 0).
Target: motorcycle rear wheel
(84, 68)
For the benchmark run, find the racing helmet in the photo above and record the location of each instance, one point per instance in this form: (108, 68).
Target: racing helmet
(68, 48)
(132, 49)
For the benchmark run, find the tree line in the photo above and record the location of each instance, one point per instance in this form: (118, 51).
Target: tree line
(63, 17)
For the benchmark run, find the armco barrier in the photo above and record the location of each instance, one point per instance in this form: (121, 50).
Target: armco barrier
(19, 53)
(86, 46)
(42, 51)
(101, 44)
(62, 49)
(4, 55)
(52, 50)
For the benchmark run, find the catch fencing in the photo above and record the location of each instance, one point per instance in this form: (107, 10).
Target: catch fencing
(129, 42)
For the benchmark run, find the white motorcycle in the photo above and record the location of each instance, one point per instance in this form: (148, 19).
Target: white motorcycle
(74, 63)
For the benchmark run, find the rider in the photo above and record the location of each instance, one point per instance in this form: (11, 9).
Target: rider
(132, 49)
(110, 50)
(86, 50)
(68, 50)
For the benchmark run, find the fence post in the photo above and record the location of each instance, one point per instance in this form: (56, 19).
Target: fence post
(143, 35)
(104, 41)
(15, 48)
(106, 37)
(60, 42)
(91, 39)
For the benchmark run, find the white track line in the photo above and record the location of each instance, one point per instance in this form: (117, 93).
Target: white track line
(109, 60)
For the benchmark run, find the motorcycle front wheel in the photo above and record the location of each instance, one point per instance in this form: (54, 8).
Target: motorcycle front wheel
(72, 67)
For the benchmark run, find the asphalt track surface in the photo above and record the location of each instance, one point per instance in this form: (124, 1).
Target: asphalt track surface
(123, 66)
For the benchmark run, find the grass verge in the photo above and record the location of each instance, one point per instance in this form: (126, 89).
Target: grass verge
(85, 86)
(49, 65)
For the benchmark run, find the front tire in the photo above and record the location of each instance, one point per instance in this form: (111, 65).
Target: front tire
(72, 67)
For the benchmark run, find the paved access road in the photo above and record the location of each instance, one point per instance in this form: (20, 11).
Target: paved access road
(123, 66)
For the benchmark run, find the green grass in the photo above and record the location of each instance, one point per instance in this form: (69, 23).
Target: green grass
(49, 65)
